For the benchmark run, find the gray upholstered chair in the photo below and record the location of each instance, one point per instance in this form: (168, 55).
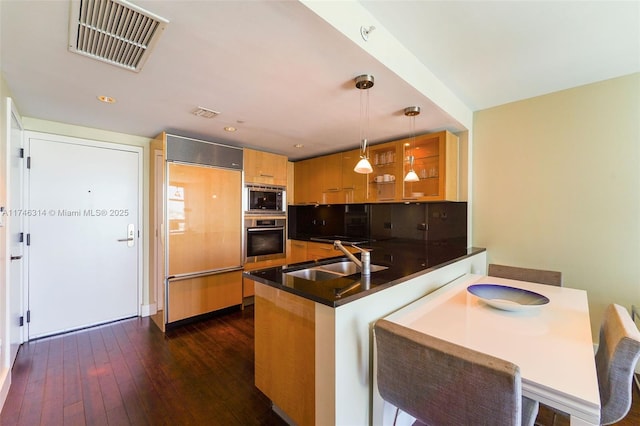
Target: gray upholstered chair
(526, 274)
(616, 358)
(441, 383)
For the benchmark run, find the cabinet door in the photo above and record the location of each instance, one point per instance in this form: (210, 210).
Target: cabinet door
(354, 185)
(308, 181)
(297, 251)
(435, 163)
(332, 179)
(384, 183)
(265, 167)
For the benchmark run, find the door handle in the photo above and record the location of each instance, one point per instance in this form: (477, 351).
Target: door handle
(130, 236)
(16, 257)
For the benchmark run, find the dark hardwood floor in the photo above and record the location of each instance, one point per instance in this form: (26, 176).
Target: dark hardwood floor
(130, 373)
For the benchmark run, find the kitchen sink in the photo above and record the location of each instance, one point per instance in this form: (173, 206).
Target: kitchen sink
(314, 274)
(348, 268)
(330, 271)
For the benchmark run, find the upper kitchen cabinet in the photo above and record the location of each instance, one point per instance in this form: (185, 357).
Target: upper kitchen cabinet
(329, 179)
(331, 171)
(354, 185)
(265, 168)
(308, 181)
(436, 165)
(384, 182)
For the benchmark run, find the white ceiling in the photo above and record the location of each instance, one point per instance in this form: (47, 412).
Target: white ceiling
(282, 75)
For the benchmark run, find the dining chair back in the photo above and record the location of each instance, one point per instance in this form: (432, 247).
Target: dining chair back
(441, 383)
(616, 358)
(539, 276)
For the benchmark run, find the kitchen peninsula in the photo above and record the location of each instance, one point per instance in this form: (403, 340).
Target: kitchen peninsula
(313, 341)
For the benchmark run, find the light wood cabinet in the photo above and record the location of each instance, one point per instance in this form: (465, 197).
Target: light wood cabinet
(308, 181)
(330, 179)
(296, 251)
(385, 181)
(435, 163)
(201, 295)
(285, 352)
(265, 168)
(303, 251)
(354, 185)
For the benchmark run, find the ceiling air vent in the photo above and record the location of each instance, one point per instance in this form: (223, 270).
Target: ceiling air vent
(114, 31)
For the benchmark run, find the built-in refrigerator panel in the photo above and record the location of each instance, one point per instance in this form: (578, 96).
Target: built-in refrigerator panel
(204, 212)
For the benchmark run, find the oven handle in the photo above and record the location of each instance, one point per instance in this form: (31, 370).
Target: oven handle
(266, 228)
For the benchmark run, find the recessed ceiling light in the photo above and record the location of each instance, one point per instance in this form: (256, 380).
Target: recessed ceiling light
(298, 145)
(230, 129)
(107, 99)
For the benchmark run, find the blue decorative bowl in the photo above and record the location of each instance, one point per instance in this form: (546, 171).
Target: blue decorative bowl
(507, 298)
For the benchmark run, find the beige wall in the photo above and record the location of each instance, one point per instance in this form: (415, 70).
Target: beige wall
(556, 185)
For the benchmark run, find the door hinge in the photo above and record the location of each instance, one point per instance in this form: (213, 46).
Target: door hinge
(28, 162)
(21, 321)
(28, 239)
(28, 316)
(21, 153)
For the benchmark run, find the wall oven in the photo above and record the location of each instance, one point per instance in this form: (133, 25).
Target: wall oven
(265, 238)
(262, 199)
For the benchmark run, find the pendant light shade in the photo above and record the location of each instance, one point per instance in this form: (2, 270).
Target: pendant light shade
(411, 176)
(363, 166)
(364, 82)
(411, 112)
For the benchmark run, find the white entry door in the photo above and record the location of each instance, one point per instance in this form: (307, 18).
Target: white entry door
(83, 233)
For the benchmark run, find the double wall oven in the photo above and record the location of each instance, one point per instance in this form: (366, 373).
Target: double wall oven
(265, 229)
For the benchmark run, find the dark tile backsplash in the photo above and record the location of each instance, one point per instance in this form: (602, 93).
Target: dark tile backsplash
(416, 221)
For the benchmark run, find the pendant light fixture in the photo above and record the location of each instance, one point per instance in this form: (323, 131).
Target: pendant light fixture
(364, 82)
(411, 112)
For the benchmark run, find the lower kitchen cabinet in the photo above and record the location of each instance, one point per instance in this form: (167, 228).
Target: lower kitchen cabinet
(296, 251)
(201, 295)
(303, 251)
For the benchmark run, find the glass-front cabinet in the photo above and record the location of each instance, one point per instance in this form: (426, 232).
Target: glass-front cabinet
(386, 160)
(435, 162)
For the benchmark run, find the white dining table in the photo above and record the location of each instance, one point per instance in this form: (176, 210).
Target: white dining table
(551, 343)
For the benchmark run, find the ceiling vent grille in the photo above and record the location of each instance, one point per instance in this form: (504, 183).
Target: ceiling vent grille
(114, 31)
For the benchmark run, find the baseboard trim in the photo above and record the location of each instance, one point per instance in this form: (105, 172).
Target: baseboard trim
(148, 310)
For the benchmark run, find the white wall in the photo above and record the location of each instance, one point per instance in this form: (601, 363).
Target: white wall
(556, 185)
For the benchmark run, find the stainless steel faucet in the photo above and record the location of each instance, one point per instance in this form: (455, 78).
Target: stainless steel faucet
(364, 265)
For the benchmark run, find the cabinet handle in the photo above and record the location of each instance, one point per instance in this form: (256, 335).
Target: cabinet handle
(333, 189)
(265, 175)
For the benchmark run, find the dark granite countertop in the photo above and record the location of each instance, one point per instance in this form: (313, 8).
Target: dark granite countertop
(404, 259)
